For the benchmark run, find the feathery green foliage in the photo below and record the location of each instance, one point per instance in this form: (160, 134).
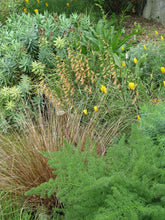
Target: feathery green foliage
(153, 122)
(128, 183)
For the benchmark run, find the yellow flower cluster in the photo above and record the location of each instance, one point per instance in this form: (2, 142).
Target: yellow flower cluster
(135, 60)
(138, 118)
(162, 69)
(123, 64)
(131, 85)
(103, 89)
(36, 11)
(85, 111)
(145, 48)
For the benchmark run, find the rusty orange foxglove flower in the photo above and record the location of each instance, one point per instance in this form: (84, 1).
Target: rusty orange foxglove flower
(131, 85)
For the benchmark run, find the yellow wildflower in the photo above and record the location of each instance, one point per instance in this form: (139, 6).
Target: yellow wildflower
(95, 108)
(131, 85)
(151, 76)
(155, 100)
(123, 64)
(162, 69)
(156, 32)
(122, 48)
(162, 38)
(145, 48)
(135, 60)
(46, 4)
(67, 4)
(27, 1)
(25, 10)
(103, 89)
(164, 83)
(85, 111)
(138, 118)
(36, 11)
(38, 1)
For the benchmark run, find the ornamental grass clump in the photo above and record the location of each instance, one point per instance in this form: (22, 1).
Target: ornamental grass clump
(128, 183)
(22, 167)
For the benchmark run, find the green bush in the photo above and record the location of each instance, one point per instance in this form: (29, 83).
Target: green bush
(27, 47)
(37, 46)
(150, 60)
(55, 6)
(12, 208)
(7, 8)
(128, 183)
(153, 122)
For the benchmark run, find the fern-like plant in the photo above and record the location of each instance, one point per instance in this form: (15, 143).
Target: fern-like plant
(128, 183)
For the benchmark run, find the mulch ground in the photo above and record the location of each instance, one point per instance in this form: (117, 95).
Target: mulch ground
(148, 28)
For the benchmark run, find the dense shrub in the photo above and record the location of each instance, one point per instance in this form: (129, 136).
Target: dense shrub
(128, 183)
(38, 45)
(55, 6)
(153, 122)
(151, 59)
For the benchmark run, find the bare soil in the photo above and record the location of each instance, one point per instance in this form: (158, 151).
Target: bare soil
(148, 28)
